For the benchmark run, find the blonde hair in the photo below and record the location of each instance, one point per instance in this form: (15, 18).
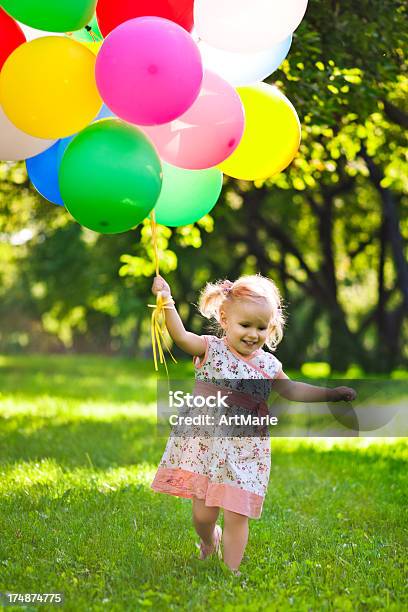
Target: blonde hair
(215, 295)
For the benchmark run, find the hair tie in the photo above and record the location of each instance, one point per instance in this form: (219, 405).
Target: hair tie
(226, 286)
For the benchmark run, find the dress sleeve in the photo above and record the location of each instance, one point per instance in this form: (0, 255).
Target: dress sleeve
(274, 365)
(199, 362)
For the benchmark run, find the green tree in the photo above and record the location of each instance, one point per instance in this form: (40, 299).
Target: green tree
(332, 229)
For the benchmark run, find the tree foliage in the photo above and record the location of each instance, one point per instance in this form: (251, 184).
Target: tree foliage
(332, 230)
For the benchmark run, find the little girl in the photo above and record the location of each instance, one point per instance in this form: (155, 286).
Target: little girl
(231, 473)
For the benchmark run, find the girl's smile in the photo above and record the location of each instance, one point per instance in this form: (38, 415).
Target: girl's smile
(246, 323)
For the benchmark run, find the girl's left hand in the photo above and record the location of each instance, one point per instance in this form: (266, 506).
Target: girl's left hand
(159, 284)
(342, 393)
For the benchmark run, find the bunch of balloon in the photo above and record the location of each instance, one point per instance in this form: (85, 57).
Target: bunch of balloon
(245, 52)
(149, 117)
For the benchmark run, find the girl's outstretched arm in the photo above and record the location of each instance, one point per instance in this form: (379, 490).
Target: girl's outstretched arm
(302, 392)
(187, 341)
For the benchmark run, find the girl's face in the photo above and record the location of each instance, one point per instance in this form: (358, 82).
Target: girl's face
(246, 324)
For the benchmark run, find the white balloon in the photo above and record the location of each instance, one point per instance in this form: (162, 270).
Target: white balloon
(32, 33)
(247, 26)
(241, 69)
(16, 145)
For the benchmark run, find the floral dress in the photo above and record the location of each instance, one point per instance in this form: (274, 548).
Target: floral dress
(228, 472)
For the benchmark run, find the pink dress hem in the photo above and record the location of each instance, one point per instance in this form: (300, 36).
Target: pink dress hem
(183, 483)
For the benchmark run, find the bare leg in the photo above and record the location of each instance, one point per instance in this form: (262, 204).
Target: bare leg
(204, 519)
(235, 538)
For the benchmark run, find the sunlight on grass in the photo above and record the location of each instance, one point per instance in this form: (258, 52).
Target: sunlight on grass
(385, 446)
(49, 473)
(78, 452)
(47, 407)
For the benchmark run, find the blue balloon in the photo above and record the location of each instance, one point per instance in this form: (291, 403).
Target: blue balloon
(104, 113)
(43, 173)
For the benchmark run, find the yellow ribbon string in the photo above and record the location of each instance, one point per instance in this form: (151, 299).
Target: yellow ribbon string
(158, 329)
(154, 241)
(158, 321)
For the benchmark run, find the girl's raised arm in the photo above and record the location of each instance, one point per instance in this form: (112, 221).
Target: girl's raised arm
(302, 392)
(187, 341)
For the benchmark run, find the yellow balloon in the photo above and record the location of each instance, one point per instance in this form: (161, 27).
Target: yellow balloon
(48, 88)
(92, 46)
(271, 137)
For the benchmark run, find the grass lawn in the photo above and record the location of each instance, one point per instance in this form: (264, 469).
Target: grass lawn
(78, 450)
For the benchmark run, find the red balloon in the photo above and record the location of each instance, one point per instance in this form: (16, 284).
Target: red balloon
(111, 13)
(11, 36)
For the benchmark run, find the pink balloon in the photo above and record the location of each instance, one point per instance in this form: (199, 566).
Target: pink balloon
(149, 71)
(207, 133)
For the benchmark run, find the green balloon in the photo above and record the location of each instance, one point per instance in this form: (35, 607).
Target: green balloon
(110, 176)
(84, 35)
(187, 195)
(51, 15)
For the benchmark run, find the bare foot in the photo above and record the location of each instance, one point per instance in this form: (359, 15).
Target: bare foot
(207, 549)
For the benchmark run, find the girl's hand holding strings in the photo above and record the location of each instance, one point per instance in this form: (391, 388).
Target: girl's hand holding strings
(159, 284)
(189, 342)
